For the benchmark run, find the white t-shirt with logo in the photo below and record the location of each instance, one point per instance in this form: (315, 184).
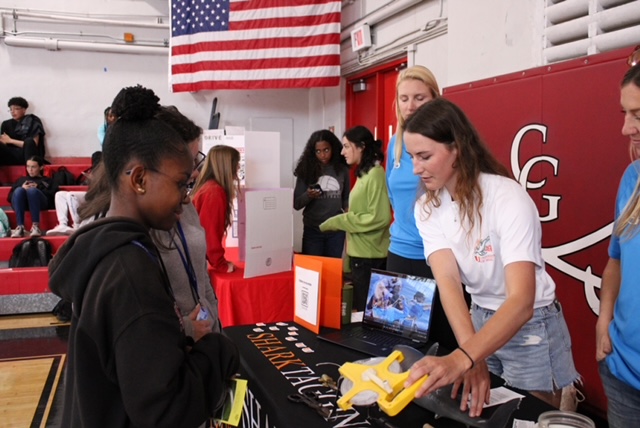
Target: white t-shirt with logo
(510, 232)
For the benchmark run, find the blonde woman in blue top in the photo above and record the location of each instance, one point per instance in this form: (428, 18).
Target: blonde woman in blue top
(415, 86)
(617, 329)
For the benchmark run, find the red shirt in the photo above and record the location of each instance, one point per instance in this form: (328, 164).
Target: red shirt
(211, 203)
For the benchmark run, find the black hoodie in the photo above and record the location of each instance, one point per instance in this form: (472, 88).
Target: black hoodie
(129, 361)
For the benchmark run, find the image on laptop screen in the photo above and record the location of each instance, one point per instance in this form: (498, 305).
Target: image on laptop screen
(400, 303)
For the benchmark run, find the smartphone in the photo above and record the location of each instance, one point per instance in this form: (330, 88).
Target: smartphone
(316, 187)
(203, 314)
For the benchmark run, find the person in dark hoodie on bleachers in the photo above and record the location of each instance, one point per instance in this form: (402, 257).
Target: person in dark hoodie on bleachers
(22, 136)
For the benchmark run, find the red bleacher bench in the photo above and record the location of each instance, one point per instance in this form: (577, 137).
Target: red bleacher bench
(24, 281)
(7, 245)
(30, 280)
(48, 219)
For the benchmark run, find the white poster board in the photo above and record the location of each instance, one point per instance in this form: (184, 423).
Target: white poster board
(266, 231)
(262, 160)
(284, 126)
(210, 138)
(234, 130)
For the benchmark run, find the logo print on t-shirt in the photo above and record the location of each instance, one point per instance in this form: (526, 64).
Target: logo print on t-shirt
(483, 251)
(330, 186)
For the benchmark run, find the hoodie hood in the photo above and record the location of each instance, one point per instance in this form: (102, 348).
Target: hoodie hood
(71, 268)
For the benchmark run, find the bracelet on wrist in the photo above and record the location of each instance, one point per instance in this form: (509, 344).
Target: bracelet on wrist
(473, 363)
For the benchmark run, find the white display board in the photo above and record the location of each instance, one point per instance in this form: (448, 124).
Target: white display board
(210, 138)
(266, 231)
(262, 160)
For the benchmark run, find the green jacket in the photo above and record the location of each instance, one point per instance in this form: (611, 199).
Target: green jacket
(368, 219)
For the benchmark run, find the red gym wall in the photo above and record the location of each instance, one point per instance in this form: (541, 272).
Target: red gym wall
(558, 129)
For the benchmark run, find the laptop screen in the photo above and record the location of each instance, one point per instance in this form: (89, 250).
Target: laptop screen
(400, 303)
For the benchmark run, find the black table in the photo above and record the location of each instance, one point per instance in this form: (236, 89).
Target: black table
(277, 362)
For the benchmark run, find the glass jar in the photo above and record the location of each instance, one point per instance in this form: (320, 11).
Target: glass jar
(564, 419)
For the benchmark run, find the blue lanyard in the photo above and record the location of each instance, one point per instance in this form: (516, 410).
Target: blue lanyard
(158, 260)
(186, 262)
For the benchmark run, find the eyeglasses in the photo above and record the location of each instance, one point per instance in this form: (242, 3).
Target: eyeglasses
(634, 58)
(199, 160)
(325, 151)
(15, 108)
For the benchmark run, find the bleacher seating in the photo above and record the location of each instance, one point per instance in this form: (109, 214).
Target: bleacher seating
(30, 281)
(9, 174)
(7, 244)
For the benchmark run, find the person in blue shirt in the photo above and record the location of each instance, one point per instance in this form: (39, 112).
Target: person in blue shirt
(617, 328)
(415, 86)
(109, 118)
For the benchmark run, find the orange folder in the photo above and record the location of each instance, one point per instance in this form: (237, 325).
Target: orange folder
(329, 313)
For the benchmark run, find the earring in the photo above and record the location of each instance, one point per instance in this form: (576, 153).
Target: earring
(141, 190)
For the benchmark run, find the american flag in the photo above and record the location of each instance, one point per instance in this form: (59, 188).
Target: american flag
(254, 44)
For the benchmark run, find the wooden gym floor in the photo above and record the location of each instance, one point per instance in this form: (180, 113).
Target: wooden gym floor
(32, 355)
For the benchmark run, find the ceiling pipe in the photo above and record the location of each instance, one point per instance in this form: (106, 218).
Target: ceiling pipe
(384, 12)
(55, 45)
(159, 24)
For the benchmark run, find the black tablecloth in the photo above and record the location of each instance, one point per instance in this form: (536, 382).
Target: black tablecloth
(285, 358)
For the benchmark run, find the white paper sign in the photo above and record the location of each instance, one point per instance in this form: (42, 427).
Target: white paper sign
(307, 290)
(502, 395)
(210, 138)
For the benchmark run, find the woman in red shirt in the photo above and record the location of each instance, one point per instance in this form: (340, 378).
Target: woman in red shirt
(214, 192)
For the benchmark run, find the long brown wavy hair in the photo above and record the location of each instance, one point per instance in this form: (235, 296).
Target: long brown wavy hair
(444, 122)
(221, 165)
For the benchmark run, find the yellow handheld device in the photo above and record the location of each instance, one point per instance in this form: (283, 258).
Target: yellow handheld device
(392, 396)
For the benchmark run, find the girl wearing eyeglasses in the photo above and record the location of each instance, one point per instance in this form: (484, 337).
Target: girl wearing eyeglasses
(127, 338)
(213, 196)
(183, 248)
(322, 191)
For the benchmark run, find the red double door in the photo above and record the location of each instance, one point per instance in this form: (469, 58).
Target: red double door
(370, 100)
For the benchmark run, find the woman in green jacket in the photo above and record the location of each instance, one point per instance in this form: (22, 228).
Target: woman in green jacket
(367, 221)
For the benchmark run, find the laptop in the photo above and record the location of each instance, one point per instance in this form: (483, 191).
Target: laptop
(398, 312)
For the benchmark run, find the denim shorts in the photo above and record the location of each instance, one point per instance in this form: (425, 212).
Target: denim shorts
(538, 357)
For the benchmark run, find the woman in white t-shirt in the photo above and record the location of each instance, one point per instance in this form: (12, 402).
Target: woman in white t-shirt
(480, 228)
